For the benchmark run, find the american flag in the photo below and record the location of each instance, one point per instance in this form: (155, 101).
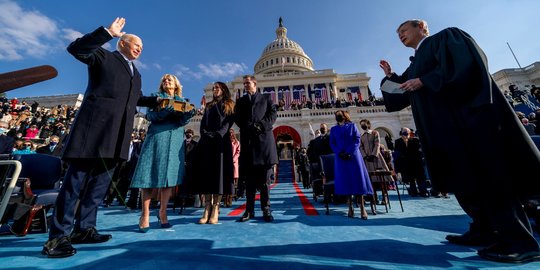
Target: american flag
(287, 98)
(320, 93)
(270, 91)
(355, 89)
(332, 92)
(298, 92)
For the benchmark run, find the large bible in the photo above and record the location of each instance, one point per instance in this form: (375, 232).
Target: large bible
(178, 106)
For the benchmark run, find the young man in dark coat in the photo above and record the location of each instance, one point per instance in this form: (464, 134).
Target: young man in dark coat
(99, 136)
(455, 105)
(255, 115)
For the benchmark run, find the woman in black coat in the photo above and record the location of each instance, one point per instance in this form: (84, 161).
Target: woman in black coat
(214, 150)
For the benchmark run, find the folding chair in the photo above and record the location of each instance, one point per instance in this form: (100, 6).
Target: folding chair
(327, 172)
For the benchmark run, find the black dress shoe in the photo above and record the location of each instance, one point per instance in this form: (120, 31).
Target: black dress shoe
(246, 216)
(470, 239)
(501, 253)
(267, 216)
(89, 236)
(58, 248)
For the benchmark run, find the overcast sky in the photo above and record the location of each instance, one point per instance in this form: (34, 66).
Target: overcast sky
(203, 41)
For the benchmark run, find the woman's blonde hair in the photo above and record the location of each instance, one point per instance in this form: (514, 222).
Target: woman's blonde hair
(177, 85)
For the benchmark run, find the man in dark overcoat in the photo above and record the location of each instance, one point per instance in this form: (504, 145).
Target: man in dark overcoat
(255, 115)
(409, 163)
(473, 142)
(99, 136)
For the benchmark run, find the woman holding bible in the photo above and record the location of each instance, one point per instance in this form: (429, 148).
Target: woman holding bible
(161, 162)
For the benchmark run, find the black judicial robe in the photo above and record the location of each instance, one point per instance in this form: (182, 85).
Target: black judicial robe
(471, 137)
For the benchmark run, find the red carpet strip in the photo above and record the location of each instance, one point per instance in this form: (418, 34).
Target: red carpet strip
(306, 204)
(240, 209)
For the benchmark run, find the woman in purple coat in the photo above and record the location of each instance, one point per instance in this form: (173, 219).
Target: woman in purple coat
(351, 175)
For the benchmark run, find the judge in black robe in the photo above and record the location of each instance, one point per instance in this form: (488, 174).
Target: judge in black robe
(473, 142)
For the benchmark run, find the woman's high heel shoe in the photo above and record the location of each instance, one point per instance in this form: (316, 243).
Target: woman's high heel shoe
(163, 225)
(143, 229)
(364, 215)
(351, 212)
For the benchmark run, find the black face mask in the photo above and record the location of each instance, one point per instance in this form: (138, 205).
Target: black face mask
(189, 136)
(405, 133)
(364, 127)
(323, 131)
(340, 118)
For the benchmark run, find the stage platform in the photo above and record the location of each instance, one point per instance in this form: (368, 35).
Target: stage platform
(301, 237)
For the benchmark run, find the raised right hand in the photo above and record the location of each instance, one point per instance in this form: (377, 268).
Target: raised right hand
(116, 27)
(386, 67)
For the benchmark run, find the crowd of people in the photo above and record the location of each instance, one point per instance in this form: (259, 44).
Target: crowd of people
(27, 129)
(329, 104)
(153, 165)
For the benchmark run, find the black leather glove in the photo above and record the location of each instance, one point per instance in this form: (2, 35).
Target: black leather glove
(344, 156)
(257, 128)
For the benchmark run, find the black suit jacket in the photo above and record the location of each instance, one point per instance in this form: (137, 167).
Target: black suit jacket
(258, 148)
(408, 157)
(317, 147)
(6, 144)
(103, 125)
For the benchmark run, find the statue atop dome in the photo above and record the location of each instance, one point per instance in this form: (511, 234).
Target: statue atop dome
(280, 22)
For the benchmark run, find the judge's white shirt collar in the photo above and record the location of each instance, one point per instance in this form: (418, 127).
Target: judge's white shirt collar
(419, 43)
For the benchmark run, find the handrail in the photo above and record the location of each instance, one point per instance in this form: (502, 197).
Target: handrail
(11, 186)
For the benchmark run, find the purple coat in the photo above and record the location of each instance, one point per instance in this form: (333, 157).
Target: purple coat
(351, 175)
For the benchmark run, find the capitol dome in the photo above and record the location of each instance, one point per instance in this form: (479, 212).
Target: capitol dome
(283, 55)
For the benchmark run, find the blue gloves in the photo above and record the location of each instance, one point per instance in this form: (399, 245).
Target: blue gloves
(165, 112)
(161, 115)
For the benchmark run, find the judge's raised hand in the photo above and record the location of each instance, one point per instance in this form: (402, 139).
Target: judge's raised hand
(116, 27)
(386, 67)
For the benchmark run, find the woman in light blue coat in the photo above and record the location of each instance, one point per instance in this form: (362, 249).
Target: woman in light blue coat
(161, 163)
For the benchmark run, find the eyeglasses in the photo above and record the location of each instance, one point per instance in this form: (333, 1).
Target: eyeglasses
(27, 144)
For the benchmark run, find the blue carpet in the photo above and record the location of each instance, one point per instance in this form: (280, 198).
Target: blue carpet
(413, 239)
